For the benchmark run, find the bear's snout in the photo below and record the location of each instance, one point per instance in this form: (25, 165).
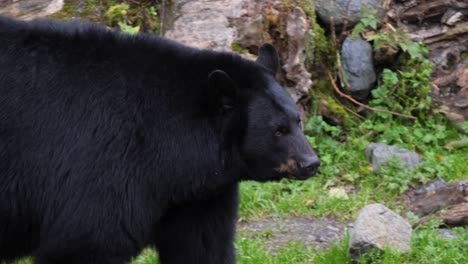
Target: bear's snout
(309, 166)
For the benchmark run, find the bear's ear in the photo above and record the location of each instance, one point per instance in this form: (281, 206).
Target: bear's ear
(222, 91)
(268, 57)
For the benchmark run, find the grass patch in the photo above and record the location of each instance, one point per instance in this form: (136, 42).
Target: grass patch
(427, 247)
(344, 166)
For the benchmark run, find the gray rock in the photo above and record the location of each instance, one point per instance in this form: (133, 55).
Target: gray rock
(446, 233)
(356, 55)
(380, 154)
(337, 9)
(205, 24)
(378, 227)
(29, 9)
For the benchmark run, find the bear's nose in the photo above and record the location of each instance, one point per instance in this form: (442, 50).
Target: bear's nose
(310, 165)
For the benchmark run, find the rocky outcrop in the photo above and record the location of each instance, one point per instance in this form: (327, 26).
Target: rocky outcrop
(297, 26)
(244, 26)
(443, 27)
(204, 24)
(288, 29)
(29, 9)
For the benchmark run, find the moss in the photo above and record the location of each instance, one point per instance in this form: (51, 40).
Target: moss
(289, 3)
(88, 10)
(322, 94)
(321, 56)
(325, 48)
(144, 14)
(320, 48)
(337, 109)
(236, 47)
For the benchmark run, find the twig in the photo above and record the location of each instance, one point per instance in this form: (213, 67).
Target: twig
(396, 87)
(332, 80)
(341, 72)
(332, 29)
(349, 109)
(345, 23)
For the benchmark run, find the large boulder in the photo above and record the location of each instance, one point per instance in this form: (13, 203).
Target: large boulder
(378, 227)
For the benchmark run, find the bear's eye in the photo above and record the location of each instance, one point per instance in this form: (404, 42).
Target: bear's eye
(281, 131)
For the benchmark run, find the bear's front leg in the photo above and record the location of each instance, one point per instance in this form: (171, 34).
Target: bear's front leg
(200, 232)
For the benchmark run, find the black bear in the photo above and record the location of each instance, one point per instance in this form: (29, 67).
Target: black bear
(110, 143)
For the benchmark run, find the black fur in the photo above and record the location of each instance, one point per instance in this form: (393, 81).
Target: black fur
(110, 143)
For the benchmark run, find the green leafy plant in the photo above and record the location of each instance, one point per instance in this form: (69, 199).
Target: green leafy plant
(406, 90)
(152, 11)
(116, 14)
(368, 21)
(129, 29)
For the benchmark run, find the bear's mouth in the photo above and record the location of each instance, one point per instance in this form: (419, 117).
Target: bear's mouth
(299, 177)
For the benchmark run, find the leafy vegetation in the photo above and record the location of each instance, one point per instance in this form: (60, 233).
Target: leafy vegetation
(129, 16)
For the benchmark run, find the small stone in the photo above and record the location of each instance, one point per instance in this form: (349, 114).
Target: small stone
(451, 17)
(338, 193)
(446, 233)
(378, 227)
(429, 187)
(380, 154)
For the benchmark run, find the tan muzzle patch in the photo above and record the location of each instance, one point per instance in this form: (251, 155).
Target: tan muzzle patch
(287, 167)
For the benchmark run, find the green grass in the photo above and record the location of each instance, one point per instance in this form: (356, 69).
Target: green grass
(345, 167)
(427, 247)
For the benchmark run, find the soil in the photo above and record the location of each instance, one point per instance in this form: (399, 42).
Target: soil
(319, 233)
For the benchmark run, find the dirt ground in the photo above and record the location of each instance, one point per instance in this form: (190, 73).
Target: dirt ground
(317, 232)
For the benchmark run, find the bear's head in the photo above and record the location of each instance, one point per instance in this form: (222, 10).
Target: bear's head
(264, 119)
